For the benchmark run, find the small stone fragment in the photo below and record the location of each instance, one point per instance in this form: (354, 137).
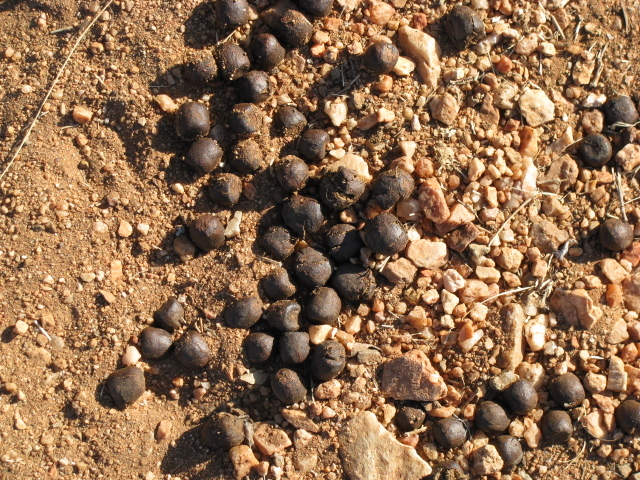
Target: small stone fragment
(411, 377)
(536, 107)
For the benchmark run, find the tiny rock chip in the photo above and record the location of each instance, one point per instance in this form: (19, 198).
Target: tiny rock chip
(370, 452)
(163, 430)
(444, 108)
(536, 107)
(487, 460)
(270, 439)
(411, 377)
(426, 254)
(399, 271)
(81, 115)
(423, 49)
(300, 419)
(243, 460)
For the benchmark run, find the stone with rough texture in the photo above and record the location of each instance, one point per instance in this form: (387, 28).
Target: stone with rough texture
(355, 163)
(399, 271)
(300, 419)
(460, 215)
(618, 332)
(547, 236)
(243, 460)
(631, 293)
(562, 174)
(432, 201)
(270, 439)
(617, 377)
(411, 377)
(461, 237)
(536, 107)
(426, 254)
(629, 157)
(425, 51)
(510, 259)
(512, 348)
(596, 424)
(575, 306)
(444, 108)
(487, 460)
(369, 452)
(614, 272)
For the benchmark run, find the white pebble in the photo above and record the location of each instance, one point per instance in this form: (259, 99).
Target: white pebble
(453, 281)
(233, 227)
(131, 356)
(20, 328)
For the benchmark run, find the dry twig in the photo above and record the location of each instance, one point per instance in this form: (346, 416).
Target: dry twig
(515, 212)
(35, 118)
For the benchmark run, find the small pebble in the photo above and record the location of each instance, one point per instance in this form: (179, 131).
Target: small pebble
(131, 356)
(277, 242)
(155, 342)
(323, 306)
(556, 427)
(21, 327)
(192, 121)
(292, 173)
(207, 232)
(245, 156)
(491, 418)
(328, 360)
(192, 350)
(615, 235)
(450, 432)
(232, 60)
(312, 268)
(225, 189)
(204, 155)
(380, 57)
(303, 215)
(288, 387)
(294, 347)
(244, 313)
(267, 51)
(313, 144)
(385, 234)
(284, 315)
(170, 315)
(258, 347)
(277, 285)
(126, 386)
(81, 115)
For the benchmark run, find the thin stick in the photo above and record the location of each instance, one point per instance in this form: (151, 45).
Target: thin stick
(625, 17)
(557, 25)
(515, 212)
(34, 119)
(618, 180)
(508, 292)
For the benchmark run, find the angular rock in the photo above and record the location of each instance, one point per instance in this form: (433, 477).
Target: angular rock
(512, 348)
(355, 163)
(562, 174)
(459, 216)
(510, 259)
(270, 439)
(618, 332)
(243, 460)
(631, 292)
(575, 306)
(300, 419)
(432, 201)
(399, 271)
(426, 254)
(536, 107)
(487, 460)
(461, 237)
(425, 51)
(444, 108)
(411, 377)
(617, 377)
(596, 424)
(369, 452)
(547, 236)
(628, 157)
(614, 272)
